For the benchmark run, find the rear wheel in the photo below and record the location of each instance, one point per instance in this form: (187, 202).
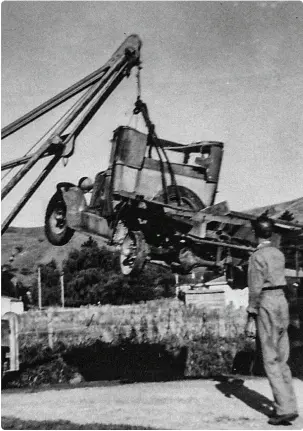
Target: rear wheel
(189, 199)
(133, 253)
(56, 229)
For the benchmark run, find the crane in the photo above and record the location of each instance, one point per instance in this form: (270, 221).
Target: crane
(178, 224)
(99, 85)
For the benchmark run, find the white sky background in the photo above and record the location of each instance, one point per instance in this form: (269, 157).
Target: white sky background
(228, 71)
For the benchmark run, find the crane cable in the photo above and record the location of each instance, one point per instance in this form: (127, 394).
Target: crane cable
(141, 107)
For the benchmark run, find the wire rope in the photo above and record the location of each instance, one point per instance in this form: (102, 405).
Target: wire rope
(157, 144)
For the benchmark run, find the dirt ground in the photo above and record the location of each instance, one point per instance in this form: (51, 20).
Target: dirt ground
(187, 404)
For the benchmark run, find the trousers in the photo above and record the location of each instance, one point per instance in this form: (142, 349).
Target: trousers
(272, 324)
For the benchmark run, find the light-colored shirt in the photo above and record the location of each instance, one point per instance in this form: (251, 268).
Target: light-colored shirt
(266, 268)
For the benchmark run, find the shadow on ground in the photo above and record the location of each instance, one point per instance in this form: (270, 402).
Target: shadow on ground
(255, 400)
(249, 362)
(131, 362)
(11, 423)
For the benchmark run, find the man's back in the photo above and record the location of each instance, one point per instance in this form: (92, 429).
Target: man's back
(272, 262)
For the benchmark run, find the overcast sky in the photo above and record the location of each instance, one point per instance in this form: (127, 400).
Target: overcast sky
(228, 71)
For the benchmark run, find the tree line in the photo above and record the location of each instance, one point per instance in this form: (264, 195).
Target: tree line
(92, 276)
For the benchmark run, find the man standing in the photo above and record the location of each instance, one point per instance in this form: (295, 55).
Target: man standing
(268, 310)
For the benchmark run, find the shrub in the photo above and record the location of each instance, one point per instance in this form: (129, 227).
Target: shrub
(26, 271)
(51, 372)
(157, 339)
(130, 356)
(92, 275)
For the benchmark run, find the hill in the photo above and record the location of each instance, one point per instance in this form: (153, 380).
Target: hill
(295, 207)
(29, 247)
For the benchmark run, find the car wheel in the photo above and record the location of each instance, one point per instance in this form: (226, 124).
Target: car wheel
(133, 253)
(56, 229)
(189, 199)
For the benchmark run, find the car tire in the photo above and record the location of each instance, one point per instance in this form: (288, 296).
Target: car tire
(189, 199)
(56, 229)
(133, 253)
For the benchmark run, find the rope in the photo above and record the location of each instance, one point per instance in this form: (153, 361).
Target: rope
(138, 75)
(172, 175)
(142, 107)
(164, 183)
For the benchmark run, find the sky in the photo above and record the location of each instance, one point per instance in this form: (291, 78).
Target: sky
(225, 71)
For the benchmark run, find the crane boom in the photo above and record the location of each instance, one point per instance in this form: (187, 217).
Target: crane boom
(131, 44)
(101, 84)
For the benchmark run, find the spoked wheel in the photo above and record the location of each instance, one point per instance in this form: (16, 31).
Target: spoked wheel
(56, 228)
(133, 253)
(188, 199)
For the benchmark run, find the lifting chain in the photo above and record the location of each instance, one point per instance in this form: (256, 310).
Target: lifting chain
(138, 76)
(141, 107)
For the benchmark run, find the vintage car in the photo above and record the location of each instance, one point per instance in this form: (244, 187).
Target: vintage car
(154, 193)
(156, 203)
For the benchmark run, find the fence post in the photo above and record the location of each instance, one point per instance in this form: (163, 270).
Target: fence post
(222, 329)
(39, 289)
(62, 288)
(297, 258)
(13, 322)
(50, 329)
(177, 291)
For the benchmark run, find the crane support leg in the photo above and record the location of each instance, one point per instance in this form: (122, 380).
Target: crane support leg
(48, 168)
(22, 160)
(79, 107)
(33, 160)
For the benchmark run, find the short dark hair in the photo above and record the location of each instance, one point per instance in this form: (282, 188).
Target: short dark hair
(263, 227)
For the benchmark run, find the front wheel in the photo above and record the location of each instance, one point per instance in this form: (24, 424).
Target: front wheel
(133, 253)
(56, 229)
